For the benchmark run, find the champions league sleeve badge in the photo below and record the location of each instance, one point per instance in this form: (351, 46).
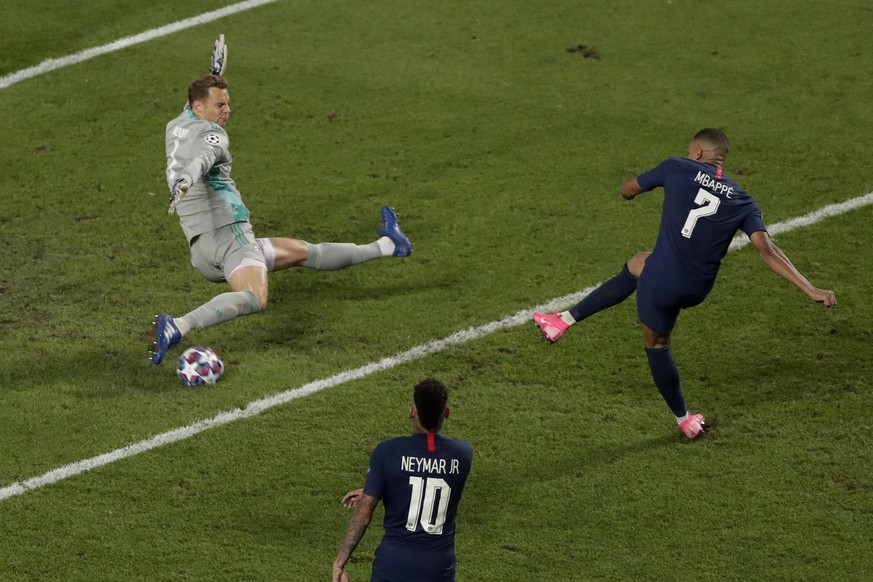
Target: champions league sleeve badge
(213, 139)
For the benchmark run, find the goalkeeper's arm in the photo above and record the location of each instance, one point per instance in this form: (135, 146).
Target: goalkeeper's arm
(218, 61)
(177, 192)
(218, 64)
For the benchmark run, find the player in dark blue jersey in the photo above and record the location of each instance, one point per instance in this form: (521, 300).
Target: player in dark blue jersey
(420, 479)
(703, 209)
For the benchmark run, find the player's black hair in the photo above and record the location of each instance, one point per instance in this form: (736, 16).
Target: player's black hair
(199, 89)
(431, 398)
(714, 138)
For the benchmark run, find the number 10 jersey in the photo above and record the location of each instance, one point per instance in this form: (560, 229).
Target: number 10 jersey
(420, 479)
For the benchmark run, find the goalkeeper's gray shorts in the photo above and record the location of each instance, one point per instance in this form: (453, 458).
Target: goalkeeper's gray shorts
(218, 253)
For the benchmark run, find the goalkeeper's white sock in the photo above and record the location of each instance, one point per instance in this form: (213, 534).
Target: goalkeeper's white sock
(182, 325)
(386, 245)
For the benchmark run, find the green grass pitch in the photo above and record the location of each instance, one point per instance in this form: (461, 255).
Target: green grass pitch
(503, 152)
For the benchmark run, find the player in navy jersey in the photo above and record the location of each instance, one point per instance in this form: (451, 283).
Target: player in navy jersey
(703, 209)
(420, 479)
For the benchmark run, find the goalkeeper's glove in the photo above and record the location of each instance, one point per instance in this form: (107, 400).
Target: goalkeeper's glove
(177, 192)
(219, 57)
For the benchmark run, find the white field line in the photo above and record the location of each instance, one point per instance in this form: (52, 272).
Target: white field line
(807, 219)
(257, 406)
(54, 64)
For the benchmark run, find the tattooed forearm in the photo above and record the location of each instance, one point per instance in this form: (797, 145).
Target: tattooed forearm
(357, 528)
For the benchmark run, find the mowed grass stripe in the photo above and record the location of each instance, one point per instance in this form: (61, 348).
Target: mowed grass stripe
(257, 406)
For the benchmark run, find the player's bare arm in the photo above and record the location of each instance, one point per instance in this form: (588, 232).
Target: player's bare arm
(631, 189)
(774, 258)
(358, 525)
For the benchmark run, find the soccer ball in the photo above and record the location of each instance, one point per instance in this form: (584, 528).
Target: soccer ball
(199, 366)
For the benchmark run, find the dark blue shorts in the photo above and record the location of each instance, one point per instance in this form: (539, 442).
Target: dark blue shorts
(407, 564)
(658, 308)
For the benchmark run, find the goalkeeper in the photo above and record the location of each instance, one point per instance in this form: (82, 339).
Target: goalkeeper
(216, 222)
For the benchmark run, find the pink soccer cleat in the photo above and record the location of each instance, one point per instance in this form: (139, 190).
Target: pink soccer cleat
(693, 425)
(552, 326)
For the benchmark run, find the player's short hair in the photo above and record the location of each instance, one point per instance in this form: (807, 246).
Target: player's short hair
(714, 138)
(199, 89)
(431, 398)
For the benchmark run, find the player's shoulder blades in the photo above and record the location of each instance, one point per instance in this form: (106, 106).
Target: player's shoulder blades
(459, 445)
(186, 124)
(669, 166)
(392, 443)
(467, 447)
(683, 162)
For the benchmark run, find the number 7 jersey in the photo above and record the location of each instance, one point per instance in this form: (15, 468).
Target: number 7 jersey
(703, 209)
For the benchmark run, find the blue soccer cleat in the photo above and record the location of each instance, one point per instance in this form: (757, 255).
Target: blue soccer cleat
(391, 229)
(167, 336)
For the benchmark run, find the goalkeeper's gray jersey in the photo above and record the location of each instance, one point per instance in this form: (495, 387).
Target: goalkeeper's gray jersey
(199, 151)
